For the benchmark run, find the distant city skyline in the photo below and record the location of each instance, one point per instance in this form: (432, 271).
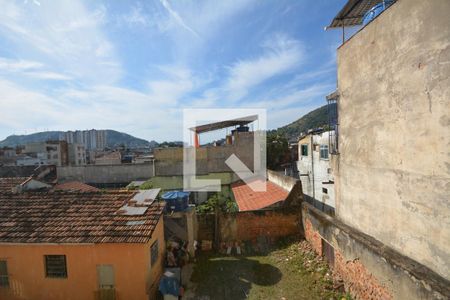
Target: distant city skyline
(133, 66)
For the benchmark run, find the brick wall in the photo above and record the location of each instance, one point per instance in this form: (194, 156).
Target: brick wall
(272, 224)
(368, 268)
(313, 237)
(249, 225)
(358, 280)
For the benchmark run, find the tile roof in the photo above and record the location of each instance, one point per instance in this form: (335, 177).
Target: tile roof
(8, 183)
(74, 217)
(75, 186)
(247, 199)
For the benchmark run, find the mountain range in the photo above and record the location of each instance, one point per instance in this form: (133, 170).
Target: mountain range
(113, 139)
(313, 119)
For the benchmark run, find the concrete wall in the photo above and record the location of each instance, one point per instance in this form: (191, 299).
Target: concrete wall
(135, 278)
(368, 268)
(98, 174)
(169, 161)
(393, 171)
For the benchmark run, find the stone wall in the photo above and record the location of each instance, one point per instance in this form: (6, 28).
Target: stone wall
(368, 268)
(393, 174)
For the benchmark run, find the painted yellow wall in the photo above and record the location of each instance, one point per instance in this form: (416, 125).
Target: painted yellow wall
(133, 274)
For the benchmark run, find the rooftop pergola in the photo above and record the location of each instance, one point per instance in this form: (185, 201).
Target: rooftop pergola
(221, 125)
(352, 13)
(224, 124)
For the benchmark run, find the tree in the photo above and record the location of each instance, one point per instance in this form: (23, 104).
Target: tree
(277, 151)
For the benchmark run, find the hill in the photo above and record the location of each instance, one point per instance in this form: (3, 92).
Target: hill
(113, 139)
(313, 119)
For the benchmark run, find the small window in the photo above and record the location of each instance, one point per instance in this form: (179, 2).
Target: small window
(325, 190)
(324, 151)
(154, 252)
(55, 266)
(304, 149)
(4, 279)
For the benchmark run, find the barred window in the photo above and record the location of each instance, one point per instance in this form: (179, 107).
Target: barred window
(55, 266)
(324, 151)
(154, 252)
(4, 279)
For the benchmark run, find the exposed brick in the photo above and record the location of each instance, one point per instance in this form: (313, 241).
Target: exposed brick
(357, 279)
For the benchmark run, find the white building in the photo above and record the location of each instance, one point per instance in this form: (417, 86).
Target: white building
(315, 171)
(91, 139)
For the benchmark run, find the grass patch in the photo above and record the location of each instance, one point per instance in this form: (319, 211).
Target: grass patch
(291, 271)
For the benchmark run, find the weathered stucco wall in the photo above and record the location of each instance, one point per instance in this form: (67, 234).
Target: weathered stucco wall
(105, 173)
(369, 269)
(394, 163)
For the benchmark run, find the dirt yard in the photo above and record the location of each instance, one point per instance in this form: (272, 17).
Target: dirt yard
(291, 271)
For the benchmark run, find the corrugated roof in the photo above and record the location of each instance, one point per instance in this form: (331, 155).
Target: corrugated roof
(352, 13)
(247, 199)
(224, 124)
(74, 217)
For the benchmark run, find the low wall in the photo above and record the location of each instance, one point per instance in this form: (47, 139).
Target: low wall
(249, 225)
(98, 174)
(368, 268)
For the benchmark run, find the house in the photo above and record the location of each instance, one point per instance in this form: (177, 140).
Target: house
(390, 237)
(72, 245)
(315, 170)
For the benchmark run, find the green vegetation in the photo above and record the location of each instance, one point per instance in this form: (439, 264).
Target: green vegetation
(219, 200)
(313, 119)
(291, 271)
(277, 151)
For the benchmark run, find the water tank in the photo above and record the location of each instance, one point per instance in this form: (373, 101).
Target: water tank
(243, 129)
(376, 10)
(176, 200)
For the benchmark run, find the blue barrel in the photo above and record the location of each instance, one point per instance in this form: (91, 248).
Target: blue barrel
(376, 10)
(176, 200)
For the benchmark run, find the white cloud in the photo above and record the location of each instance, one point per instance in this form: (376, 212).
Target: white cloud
(178, 18)
(282, 54)
(135, 16)
(29, 68)
(64, 35)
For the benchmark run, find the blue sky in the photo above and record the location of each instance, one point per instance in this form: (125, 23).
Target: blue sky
(133, 66)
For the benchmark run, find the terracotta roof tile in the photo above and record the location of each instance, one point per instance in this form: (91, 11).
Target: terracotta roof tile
(247, 199)
(73, 217)
(75, 186)
(8, 183)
